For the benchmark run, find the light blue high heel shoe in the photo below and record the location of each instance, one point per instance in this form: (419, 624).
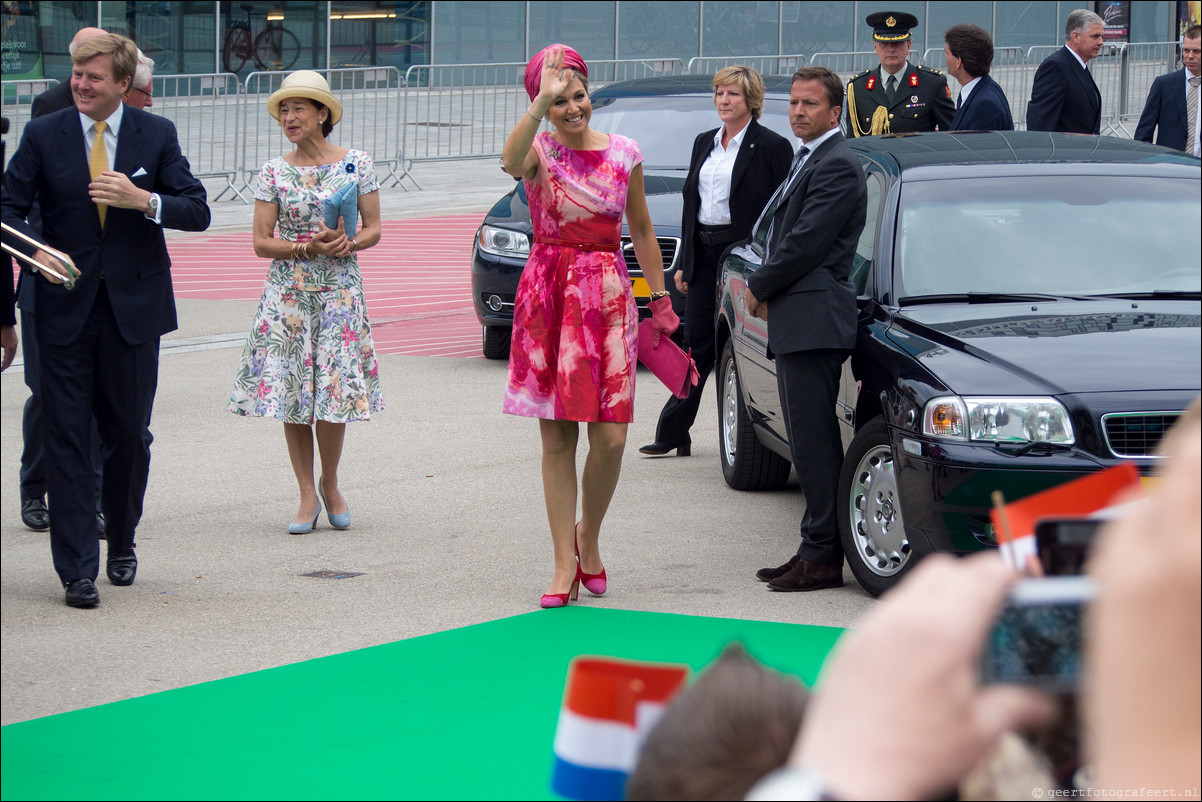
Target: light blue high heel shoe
(306, 528)
(341, 520)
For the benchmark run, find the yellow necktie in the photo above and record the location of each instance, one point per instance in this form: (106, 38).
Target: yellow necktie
(99, 162)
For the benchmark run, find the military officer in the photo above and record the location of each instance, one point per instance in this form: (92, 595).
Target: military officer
(897, 97)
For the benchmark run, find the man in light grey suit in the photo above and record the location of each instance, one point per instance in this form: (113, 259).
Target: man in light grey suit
(804, 292)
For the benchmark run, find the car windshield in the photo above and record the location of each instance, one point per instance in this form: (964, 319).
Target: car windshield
(665, 125)
(1059, 235)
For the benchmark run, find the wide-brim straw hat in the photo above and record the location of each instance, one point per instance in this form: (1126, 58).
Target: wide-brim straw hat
(307, 84)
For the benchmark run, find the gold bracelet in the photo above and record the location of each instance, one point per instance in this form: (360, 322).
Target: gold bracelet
(354, 245)
(294, 246)
(655, 296)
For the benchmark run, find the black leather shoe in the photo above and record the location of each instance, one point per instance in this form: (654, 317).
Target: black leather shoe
(82, 593)
(34, 513)
(122, 569)
(100, 526)
(768, 574)
(660, 449)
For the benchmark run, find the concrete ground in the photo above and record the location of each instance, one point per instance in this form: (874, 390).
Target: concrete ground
(448, 521)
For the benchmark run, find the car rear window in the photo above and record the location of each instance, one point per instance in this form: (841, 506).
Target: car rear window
(1065, 235)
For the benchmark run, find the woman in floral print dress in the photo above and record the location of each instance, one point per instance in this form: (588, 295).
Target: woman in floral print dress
(309, 360)
(575, 324)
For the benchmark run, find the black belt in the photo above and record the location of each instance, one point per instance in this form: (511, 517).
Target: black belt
(716, 235)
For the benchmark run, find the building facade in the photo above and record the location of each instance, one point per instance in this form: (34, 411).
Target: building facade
(208, 36)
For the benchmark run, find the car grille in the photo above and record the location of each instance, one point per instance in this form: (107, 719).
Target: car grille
(668, 247)
(1136, 434)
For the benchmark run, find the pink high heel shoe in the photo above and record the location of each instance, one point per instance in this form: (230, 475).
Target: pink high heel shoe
(552, 600)
(593, 583)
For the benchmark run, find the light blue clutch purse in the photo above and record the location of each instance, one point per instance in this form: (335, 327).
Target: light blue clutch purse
(345, 204)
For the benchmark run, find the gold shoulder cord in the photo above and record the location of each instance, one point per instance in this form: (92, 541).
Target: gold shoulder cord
(880, 117)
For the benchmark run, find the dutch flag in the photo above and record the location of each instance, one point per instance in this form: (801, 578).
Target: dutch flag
(609, 707)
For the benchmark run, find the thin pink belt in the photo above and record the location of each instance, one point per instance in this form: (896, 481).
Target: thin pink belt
(580, 246)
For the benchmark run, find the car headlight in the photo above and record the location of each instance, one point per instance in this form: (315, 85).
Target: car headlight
(998, 420)
(503, 242)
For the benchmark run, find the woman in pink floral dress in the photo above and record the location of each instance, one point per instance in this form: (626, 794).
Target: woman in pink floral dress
(575, 322)
(309, 360)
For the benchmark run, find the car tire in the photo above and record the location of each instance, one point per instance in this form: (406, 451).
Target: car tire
(496, 341)
(746, 463)
(870, 513)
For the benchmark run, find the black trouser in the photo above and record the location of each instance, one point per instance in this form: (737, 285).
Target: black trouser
(98, 375)
(809, 386)
(700, 304)
(33, 467)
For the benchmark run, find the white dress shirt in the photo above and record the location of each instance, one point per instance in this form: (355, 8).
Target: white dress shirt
(966, 90)
(714, 180)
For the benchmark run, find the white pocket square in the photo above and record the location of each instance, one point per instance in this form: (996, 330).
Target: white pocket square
(140, 171)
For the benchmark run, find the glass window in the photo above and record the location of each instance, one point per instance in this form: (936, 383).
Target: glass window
(36, 36)
(177, 35)
(667, 29)
(1150, 22)
(810, 28)
(552, 22)
(371, 33)
(861, 262)
(1027, 24)
(739, 29)
(272, 36)
(478, 32)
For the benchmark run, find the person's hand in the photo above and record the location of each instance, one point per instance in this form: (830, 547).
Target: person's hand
(115, 189)
(681, 284)
(1141, 698)
(898, 711)
(663, 318)
(8, 346)
(555, 78)
(754, 307)
(330, 241)
(69, 271)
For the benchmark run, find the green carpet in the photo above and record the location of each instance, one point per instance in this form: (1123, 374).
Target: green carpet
(464, 714)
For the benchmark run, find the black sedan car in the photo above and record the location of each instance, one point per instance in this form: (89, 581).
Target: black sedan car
(1029, 311)
(663, 115)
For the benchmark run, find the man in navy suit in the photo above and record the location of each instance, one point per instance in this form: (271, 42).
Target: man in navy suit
(1064, 96)
(804, 291)
(981, 105)
(1166, 112)
(108, 177)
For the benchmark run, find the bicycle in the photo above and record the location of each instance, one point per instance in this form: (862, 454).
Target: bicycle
(275, 48)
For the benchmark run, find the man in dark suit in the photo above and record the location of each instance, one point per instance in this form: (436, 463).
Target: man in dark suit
(109, 177)
(897, 97)
(33, 469)
(981, 104)
(1064, 96)
(744, 162)
(1167, 112)
(804, 292)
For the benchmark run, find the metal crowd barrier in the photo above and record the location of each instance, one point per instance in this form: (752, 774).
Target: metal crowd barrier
(17, 105)
(466, 111)
(206, 110)
(764, 65)
(1142, 63)
(371, 102)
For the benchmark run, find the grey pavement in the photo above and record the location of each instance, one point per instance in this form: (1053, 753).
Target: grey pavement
(448, 521)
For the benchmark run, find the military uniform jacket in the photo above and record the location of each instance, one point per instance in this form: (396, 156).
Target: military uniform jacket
(921, 102)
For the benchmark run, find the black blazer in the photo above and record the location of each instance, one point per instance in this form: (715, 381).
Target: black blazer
(762, 164)
(805, 280)
(56, 98)
(51, 164)
(1064, 97)
(985, 110)
(1165, 112)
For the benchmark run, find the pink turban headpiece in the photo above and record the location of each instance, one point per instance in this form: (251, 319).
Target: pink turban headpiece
(534, 69)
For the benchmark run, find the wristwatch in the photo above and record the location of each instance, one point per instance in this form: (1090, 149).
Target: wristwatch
(152, 208)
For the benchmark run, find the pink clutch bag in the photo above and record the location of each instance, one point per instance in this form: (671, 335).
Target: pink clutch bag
(672, 366)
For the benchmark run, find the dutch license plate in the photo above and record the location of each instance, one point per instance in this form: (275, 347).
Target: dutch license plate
(642, 290)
